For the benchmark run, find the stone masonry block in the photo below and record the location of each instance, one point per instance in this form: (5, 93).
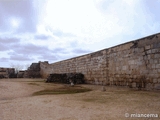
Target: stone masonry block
(153, 66)
(131, 62)
(134, 85)
(155, 61)
(149, 86)
(141, 50)
(157, 86)
(157, 65)
(151, 61)
(154, 50)
(149, 52)
(157, 56)
(156, 75)
(124, 67)
(148, 56)
(139, 63)
(154, 80)
(147, 47)
(144, 53)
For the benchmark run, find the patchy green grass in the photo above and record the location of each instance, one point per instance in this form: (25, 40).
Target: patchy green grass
(63, 90)
(33, 84)
(41, 81)
(141, 98)
(99, 99)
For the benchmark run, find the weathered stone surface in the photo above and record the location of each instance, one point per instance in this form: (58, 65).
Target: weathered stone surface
(34, 70)
(157, 86)
(7, 73)
(134, 85)
(20, 74)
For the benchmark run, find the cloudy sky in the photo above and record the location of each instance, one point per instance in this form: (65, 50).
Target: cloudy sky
(54, 30)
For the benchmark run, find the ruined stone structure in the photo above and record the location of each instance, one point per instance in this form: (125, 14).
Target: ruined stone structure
(20, 74)
(7, 73)
(33, 71)
(135, 64)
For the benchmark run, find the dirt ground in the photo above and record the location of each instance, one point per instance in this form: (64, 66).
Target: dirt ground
(17, 102)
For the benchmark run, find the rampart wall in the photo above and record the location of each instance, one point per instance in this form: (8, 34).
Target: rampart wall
(134, 64)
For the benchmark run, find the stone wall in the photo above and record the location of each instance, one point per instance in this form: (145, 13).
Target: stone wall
(20, 74)
(7, 72)
(93, 66)
(134, 64)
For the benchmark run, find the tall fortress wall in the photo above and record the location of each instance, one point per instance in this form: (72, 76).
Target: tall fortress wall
(135, 64)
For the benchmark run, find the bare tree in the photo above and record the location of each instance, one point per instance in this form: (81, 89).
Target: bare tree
(17, 67)
(26, 66)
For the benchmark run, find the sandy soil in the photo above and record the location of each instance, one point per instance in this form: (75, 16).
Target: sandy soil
(18, 103)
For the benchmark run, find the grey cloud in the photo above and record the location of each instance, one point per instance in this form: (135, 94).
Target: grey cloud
(74, 44)
(56, 54)
(4, 59)
(22, 9)
(80, 51)
(20, 57)
(48, 57)
(60, 50)
(25, 52)
(30, 49)
(41, 37)
(8, 40)
(60, 33)
(5, 43)
(103, 4)
(3, 47)
(153, 9)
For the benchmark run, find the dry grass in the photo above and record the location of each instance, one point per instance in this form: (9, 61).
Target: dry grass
(90, 104)
(33, 84)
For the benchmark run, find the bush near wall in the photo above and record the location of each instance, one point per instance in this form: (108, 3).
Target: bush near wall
(76, 78)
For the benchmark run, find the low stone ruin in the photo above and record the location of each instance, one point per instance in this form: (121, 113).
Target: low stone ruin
(68, 78)
(20, 74)
(7, 73)
(34, 71)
